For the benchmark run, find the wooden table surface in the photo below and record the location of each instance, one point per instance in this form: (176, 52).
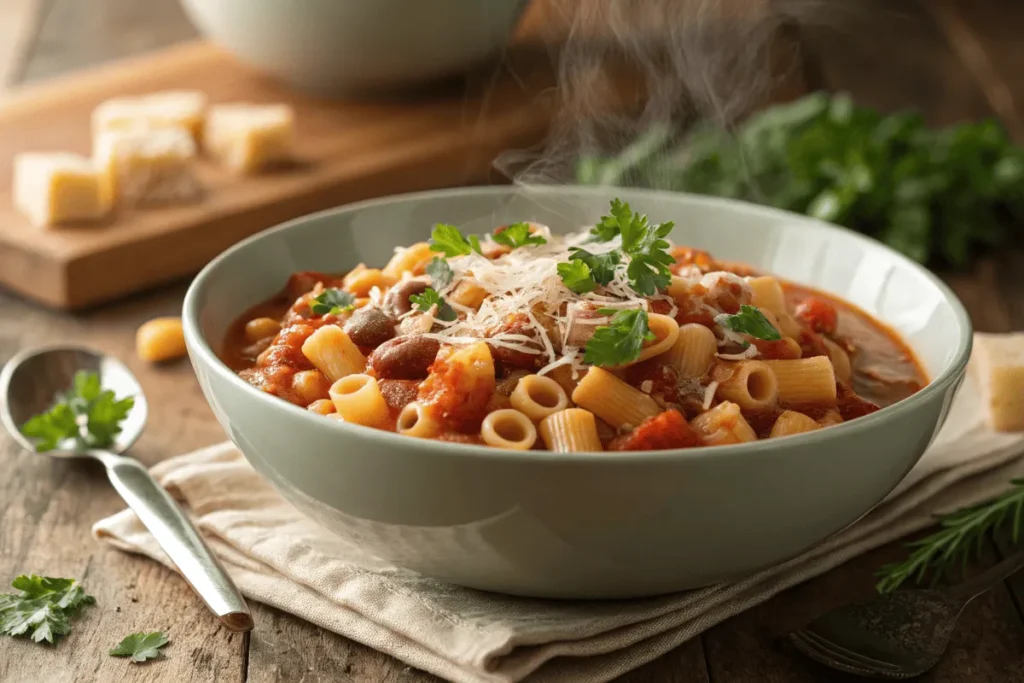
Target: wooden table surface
(952, 60)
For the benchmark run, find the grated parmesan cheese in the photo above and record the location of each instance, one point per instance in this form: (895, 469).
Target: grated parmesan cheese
(709, 395)
(747, 353)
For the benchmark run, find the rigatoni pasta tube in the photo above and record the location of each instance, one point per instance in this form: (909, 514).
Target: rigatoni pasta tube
(612, 400)
(840, 360)
(792, 422)
(537, 397)
(752, 385)
(508, 429)
(572, 430)
(693, 351)
(333, 353)
(357, 399)
(723, 425)
(766, 292)
(362, 279)
(411, 260)
(804, 380)
(666, 333)
(414, 420)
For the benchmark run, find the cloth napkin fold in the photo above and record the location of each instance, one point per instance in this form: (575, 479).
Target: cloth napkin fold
(280, 558)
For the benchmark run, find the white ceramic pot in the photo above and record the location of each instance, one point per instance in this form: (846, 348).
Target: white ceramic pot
(345, 46)
(581, 525)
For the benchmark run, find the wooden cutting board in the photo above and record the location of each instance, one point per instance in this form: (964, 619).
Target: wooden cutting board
(347, 151)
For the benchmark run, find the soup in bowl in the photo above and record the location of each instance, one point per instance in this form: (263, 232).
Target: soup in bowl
(557, 393)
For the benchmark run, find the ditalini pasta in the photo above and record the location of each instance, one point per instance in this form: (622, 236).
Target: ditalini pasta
(527, 339)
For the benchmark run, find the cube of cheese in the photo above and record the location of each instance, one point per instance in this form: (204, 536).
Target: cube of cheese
(144, 166)
(248, 138)
(998, 363)
(182, 108)
(57, 188)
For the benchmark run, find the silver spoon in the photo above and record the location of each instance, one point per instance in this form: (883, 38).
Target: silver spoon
(28, 384)
(896, 636)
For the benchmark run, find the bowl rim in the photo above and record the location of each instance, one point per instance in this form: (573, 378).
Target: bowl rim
(202, 351)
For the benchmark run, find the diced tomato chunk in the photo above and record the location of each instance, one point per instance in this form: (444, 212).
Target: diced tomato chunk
(819, 314)
(661, 432)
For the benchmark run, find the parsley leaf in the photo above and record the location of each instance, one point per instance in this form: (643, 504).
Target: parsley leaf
(141, 646)
(86, 413)
(644, 243)
(576, 275)
(749, 321)
(609, 226)
(430, 298)
(449, 240)
(602, 266)
(332, 301)
(621, 341)
(518, 235)
(44, 608)
(440, 273)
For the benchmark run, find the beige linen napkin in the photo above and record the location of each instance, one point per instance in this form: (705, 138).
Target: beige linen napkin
(282, 559)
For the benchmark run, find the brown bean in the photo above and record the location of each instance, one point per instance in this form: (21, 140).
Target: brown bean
(407, 357)
(370, 327)
(396, 301)
(398, 393)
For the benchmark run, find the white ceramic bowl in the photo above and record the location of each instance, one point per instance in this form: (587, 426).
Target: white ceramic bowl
(345, 46)
(580, 525)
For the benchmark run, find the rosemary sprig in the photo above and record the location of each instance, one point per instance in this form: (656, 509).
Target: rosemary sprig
(961, 535)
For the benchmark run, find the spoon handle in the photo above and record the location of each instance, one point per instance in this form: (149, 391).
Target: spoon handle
(972, 588)
(179, 539)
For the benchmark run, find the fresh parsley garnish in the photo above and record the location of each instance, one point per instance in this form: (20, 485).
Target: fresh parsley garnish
(332, 301)
(141, 646)
(430, 298)
(44, 608)
(602, 266)
(518, 235)
(644, 243)
(440, 273)
(621, 341)
(750, 321)
(86, 413)
(449, 240)
(576, 275)
(961, 535)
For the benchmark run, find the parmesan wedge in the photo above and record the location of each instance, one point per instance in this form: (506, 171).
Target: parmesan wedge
(56, 188)
(998, 364)
(248, 138)
(179, 108)
(145, 166)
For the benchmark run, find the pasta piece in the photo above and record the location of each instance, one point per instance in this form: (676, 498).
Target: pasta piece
(361, 280)
(840, 360)
(310, 386)
(415, 420)
(324, 406)
(805, 380)
(681, 290)
(766, 294)
(694, 350)
(333, 353)
(508, 429)
(357, 399)
(537, 397)
(468, 293)
(614, 401)
(572, 430)
(752, 385)
(789, 326)
(792, 422)
(666, 332)
(563, 375)
(413, 259)
(160, 339)
(831, 417)
(998, 364)
(258, 329)
(723, 425)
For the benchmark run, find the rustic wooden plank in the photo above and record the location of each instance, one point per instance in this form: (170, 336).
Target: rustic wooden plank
(82, 33)
(50, 505)
(19, 20)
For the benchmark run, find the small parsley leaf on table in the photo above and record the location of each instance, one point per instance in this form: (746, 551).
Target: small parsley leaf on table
(86, 413)
(440, 273)
(449, 240)
(621, 341)
(750, 321)
(44, 608)
(430, 298)
(332, 301)
(518, 235)
(141, 646)
(576, 275)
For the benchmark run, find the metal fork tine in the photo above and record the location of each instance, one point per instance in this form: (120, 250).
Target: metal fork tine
(848, 654)
(824, 656)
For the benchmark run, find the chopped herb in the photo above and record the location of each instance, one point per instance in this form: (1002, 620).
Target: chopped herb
(332, 301)
(440, 273)
(642, 242)
(87, 413)
(602, 266)
(141, 646)
(518, 235)
(621, 341)
(576, 275)
(430, 298)
(449, 240)
(44, 608)
(749, 321)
